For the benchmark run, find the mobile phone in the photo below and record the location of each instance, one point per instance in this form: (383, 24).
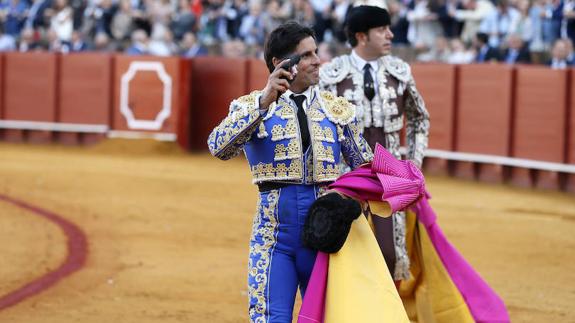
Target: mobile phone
(289, 66)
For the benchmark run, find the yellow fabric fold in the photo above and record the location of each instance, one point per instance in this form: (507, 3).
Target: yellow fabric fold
(360, 288)
(379, 208)
(429, 296)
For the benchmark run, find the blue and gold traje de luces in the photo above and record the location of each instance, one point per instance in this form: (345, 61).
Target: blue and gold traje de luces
(273, 145)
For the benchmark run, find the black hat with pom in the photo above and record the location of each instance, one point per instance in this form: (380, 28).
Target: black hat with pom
(328, 222)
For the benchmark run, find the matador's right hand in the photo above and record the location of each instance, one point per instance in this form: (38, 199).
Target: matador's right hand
(276, 86)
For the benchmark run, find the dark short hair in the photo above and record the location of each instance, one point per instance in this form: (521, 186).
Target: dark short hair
(283, 41)
(482, 37)
(363, 18)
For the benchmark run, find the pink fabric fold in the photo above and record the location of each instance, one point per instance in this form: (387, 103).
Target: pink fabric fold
(402, 185)
(313, 307)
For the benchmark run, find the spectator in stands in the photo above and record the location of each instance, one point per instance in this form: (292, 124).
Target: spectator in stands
(212, 24)
(77, 43)
(102, 43)
(139, 43)
(499, 23)
(484, 52)
(35, 18)
(524, 27)
(277, 12)
(61, 22)
(13, 15)
(326, 52)
(184, 20)
(471, 13)
(538, 46)
(569, 19)
(27, 40)
(561, 55)
(399, 25)
(459, 54)
(516, 51)
(338, 13)
(552, 20)
(55, 44)
(252, 26)
(104, 15)
(445, 9)
(162, 44)
(122, 22)
(424, 26)
(322, 11)
(439, 53)
(7, 42)
(234, 49)
(303, 13)
(161, 12)
(190, 46)
(78, 7)
(233, 11)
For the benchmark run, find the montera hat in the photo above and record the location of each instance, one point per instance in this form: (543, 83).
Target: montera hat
(363, 18)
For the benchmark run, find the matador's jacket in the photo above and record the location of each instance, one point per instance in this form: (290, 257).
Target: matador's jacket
(396, 102)
(272, 143)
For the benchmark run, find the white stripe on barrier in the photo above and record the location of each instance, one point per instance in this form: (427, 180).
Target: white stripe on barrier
(161, 136)
(499, 160)
(53, 126)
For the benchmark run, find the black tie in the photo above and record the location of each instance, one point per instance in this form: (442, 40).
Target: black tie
(302, 119)
(368, 86)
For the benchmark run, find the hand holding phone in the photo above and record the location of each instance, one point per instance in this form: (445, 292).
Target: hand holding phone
(290, 66)
(279, 80)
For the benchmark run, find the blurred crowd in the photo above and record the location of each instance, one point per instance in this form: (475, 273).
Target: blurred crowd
(450, 31)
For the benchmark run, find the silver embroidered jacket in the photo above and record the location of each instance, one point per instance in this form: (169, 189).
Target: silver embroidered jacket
(273, 145)
(396, 96)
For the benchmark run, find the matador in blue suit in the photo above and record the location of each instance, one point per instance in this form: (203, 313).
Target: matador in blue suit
(293, 136)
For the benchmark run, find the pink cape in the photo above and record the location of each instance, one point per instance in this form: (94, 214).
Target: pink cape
(401, 184)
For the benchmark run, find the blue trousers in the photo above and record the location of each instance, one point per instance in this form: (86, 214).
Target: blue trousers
(278, 262)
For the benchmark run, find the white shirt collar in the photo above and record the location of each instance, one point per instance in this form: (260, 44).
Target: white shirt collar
(308, 93)
(360, 62)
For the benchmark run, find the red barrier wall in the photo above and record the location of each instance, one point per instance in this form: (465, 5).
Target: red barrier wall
(85, 88)
(570, 133)
(439, 100)
(184, 128)
(30, 91)
(540, 112)
(217, 81)
(85, 91)
(484, 116)
(484, 109)
(257, 74)
(144, 89)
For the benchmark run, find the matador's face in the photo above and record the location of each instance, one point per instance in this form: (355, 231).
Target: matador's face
(308, 66)
(378, 41)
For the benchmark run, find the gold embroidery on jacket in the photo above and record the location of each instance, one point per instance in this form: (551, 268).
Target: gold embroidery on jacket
(268, 172)
(289, 131)
(322, 134)
(324, 153)
(290, 152)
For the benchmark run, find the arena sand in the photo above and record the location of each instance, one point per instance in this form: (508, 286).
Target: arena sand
(168, 236)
